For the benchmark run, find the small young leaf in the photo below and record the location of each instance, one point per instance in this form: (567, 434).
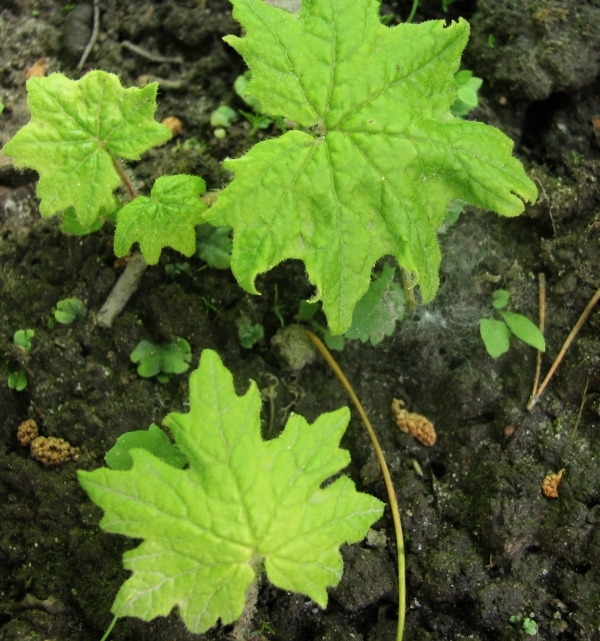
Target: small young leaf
(378, 159)
(17, 378)
(76, 128)
(500, 299)
(248, 333)
(525, 330)
(214, 245)
(242, 501)
(23, 338)
(495, 335)
(378, 310)
(153, 440)
(69, 310)
(166, 219)
(172, 358)
(69, 224)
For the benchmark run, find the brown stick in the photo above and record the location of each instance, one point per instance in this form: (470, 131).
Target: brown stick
(542, 321)
(586, 312)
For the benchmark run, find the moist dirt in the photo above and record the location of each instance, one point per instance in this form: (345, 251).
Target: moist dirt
(487, 554)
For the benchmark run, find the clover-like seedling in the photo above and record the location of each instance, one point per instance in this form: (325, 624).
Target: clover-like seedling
(15, 376)
(496, 334)
(69, 310)
(162, 360)
(22, 337)
(241, 504)
(376, 159)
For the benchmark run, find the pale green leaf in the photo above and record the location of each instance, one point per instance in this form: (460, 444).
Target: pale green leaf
(214, 245)
(167, 218)
(500, 298)
(525, 330)
(153, 440)
(382, 158)
(242, 501)
(77, 127)
(376, 313)
(495, 335)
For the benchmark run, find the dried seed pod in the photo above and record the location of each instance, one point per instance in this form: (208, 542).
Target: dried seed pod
(419, 426)
(50, 450)
(27, 431)
(174, 124)
(550, 484)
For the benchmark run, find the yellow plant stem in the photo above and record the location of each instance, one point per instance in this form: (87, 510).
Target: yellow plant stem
(386, 476)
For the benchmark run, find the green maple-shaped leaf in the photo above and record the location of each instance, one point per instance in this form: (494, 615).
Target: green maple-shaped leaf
(165, 219)
(77, 127)
(242, 501)
(381, 159)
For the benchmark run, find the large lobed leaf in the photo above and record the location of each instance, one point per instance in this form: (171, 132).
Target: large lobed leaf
(242, 501)
(381, 160)
(76, 128)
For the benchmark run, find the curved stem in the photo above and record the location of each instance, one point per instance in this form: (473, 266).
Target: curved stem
(110, 627)
(412, 12)
(386, 476)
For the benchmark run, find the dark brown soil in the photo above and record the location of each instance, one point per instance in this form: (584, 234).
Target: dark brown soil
(483, 544)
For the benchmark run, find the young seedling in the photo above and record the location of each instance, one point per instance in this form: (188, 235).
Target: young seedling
(162, 360)
(23, 338)
(242, 504)
(496, 334)
(249, 334)
(467, 99)
(70, 310)
(214, 245)
(16, 377)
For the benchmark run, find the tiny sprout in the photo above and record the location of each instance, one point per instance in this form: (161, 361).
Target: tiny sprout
(17, 379)
(161, 360)
(467, 99)
(223, 117)
(248, 333)
(23, 338)
(69, 310)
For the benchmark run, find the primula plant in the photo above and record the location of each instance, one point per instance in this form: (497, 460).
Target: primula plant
(243, 503)
(376, 158)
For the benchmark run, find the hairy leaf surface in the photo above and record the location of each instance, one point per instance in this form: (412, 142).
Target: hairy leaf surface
(379, 159)
(76, 128)
(242, 501)
(167, 218)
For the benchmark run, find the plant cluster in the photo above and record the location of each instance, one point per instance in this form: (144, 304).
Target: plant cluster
(375, 159)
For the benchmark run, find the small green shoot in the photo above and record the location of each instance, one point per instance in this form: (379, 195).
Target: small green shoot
(223, 116)
(162, 360)
(278, 307)
(576, 158)
(70, 310)
(214, 245)
(446, 5)
(467, 99)
(527, 625)
(258, 121)
(23, 338)
(240, 85)
(243, 503)
(16, 376)
(491, 41)
(496, 334)
(167, 218)
(249, 334)
(153, 440)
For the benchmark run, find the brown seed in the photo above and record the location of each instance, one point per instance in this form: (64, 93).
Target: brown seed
(419, 426)
(550, 484)
(174, 124)
(37, 69)
(27, 431)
